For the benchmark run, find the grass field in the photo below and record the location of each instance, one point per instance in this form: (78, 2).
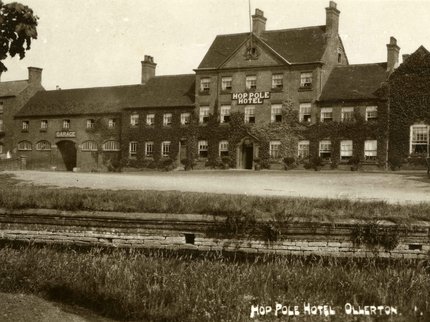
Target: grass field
(166, 287)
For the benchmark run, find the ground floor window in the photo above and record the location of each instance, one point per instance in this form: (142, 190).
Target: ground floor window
(303, 149)
(419, 139)
(370, 149)
(345, 150)
(24, 146)
(223, 148)
(132, 149)
(111, 146)
(149, 149)
(203, 148)
(275, 148)
(43, 146)
(89, 146)
(325, 150)
(165, 148)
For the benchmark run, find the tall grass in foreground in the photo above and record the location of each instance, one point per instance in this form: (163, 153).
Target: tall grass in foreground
(25, 196)
(162, 287)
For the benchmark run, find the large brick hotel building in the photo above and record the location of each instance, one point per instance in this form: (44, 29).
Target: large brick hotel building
(255, 99)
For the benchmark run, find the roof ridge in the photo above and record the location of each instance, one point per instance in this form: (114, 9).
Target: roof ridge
(274, 30)
(364, 64)
(174, 75)
(94, 87)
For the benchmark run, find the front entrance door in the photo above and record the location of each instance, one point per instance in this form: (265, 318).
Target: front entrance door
(68, 154)
(183, 150)
(247, 154)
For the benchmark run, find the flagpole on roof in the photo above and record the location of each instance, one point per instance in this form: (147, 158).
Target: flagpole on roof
(250, 23)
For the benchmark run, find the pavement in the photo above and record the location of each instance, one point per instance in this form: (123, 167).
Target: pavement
(392, 187)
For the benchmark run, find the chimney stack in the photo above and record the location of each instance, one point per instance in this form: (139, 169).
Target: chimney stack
(258, 22)
(392, 55)
(148, 69)
(332, 19)
(35, 75)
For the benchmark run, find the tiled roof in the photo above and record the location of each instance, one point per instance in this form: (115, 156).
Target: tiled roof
(12, 88)
(161, 91)
(354, 82)
(300, 45)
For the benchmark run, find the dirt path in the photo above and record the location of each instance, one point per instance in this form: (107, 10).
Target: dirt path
(388, 186)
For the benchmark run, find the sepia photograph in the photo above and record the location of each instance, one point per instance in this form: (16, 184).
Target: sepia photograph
(245, 160)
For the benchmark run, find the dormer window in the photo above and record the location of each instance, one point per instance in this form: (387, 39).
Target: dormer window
(306, 80)
(205, 84)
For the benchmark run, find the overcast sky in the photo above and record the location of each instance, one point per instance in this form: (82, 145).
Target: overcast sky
(87, 43)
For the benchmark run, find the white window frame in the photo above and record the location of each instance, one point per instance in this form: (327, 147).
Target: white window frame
(225, 112)
(305, 109)
(1, 125)
(325, 147)
(346, 150)
(111, 123)
(111, 146)
(134, 119)
(66, 124)
(325, 111)
(89, 146)
(276, 110)
(167, 119)
(251, 82)
(165, 148)
(25, 125)
(91, 123)
(44, 124)
(223, 148)
(370, 150)
(149, 149)
(226, 83)
(423, 140)
(371, 113)
(1, 148)
(347, 114)
(205, 84)
(185, 118)
(204, 114)
(132, 149)
(202, 147)
(25, 146)
(306, 80)
(43, 145)
(275, 149)
(150, 119)
(249, 114)
(303, 149)
(277, 81)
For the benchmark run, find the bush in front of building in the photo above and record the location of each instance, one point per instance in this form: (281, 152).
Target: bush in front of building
(289, 163)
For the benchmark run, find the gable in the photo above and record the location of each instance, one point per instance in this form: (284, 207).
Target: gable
(417, 63)
(242, 58)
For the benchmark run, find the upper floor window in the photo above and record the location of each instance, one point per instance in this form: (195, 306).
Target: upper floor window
(370, 149)
(165, 148)
(205, 84)
(203, 148)
(24, 146)
(250, 114)
(306, 80)
(89, 146)
(326, 114)
(66, 124)
(347, 114)
(185, 118)
(25, 125)
(274, 149)
(134, 119)
(150, 119)
(276, 113)
(167, 119)
(111, 146)
(345, 150)
(112, 123)
(225, 113)
(204, 114)
(277, 81)
(132, 149)
(1, 125)
(251, 82)
(44, 124)
(371, 113)
(325, 150)
(91, 124)
(419, 139)
(1, 107)
(303, 149)
(149, 149)
(43, 146)
(223, 148)
(305, 112)
(226, 83)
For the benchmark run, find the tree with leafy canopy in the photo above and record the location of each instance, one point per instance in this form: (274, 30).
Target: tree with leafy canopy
(17, 28)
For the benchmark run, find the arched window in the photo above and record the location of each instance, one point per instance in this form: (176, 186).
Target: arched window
(111, 146)
(43, 146)
(24, 146)
(89, 146)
